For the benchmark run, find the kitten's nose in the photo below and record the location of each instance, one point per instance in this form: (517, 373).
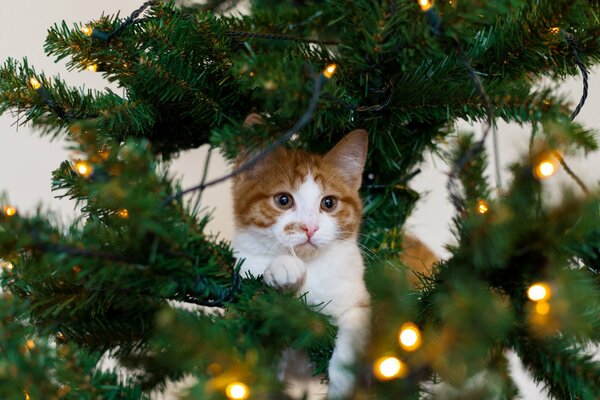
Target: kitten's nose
(309, 229)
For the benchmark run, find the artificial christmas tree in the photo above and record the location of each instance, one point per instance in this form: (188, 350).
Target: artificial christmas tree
(522, 276)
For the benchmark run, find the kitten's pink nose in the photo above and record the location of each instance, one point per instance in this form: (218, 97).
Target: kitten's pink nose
(309, 229)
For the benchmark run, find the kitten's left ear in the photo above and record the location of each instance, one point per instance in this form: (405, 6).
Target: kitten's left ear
(349, 156)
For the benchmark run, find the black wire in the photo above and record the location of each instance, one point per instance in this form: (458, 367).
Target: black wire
(131, 19)
(574, 46)
(276, 36)
(575, 50)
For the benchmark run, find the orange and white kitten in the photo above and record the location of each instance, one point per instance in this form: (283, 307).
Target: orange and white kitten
(297, 216)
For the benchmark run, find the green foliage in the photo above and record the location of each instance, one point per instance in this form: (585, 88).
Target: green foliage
(108, 281)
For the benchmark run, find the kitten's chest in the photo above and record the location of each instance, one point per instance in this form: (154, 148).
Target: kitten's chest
(334, 280)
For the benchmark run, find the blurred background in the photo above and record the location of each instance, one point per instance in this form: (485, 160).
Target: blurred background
(27, 160)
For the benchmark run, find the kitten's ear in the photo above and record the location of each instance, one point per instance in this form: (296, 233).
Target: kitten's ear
(349, 156)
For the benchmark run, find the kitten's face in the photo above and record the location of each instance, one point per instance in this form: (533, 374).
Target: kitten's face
(299, 203)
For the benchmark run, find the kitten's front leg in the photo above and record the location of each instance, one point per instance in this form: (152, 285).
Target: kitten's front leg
(351, 340)
(285, 272)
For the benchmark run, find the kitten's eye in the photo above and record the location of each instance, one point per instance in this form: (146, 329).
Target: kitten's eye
(284, 201)
(329, 203)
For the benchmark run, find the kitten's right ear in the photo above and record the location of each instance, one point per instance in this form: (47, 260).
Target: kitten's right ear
(350, 155)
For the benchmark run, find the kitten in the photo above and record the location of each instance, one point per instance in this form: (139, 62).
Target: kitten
(297, 216)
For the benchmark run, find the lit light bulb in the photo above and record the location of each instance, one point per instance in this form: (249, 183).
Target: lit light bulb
(92, 67)
(123, 213)
(545, 168)
(87, 30)
(410, 337)
(7, 265)
(542, 307)
(554, 30)
(330, 70)
(84, 169)
(425, 4)
(27, 396)
(237, 391)
(388, 368)
(9, 211)
(30, 344)
(35, 84)
(482, 206)
(538, 292)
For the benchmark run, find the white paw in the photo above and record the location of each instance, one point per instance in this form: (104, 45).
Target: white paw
(341, 380)
(285, 272)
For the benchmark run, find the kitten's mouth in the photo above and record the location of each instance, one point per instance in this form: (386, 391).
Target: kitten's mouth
(306, 244)
(306, 250)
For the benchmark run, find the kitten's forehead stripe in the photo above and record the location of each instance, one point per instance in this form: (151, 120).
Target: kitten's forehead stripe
(287, 171)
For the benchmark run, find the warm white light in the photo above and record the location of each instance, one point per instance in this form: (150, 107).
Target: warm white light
(482, 206)
(87, 30)
(330, 70)
(7, 265)
(84, 169)
(92, 67)
(237, 391)
(538, 292)
(123, 213)
(546, 169)
(9, 211)
(387, 368)
(410, 337)
(35, 84)
(425, 4)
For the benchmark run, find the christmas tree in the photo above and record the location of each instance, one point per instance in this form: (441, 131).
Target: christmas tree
(522, 276)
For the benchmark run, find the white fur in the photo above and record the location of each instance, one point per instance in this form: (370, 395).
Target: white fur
(332, 278)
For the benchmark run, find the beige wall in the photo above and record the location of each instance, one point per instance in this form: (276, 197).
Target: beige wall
(26, 160)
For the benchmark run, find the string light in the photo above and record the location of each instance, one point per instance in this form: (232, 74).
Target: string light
(27, 396)
(330, 70)
(9, 211)
(542, 307)
(388, 368)
(35, 84)
(30, 344)
(7, 265)
(555, 30)
(237, 391)
(538, 292)
(426, 5)
(482, 206)
(410, 337)
(92, 67)
(545, 168)
(84, 169)
(123, 213)
(104, 154)
(87, 30)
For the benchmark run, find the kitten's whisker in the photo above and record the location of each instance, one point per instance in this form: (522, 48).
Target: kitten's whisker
(364, 236)
(368, 253)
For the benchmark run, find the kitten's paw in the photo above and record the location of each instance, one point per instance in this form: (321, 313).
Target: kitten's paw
(285, 272)
(341, 382)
